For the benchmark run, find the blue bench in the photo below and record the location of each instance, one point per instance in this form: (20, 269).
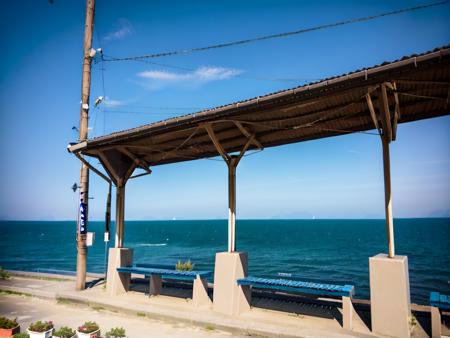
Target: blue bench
(200, 286)
(165, 273)
(438, 302)
(299, 287)
(307, 288)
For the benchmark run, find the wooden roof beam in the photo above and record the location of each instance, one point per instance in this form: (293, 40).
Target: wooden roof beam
(216, 142)
(248, 134)
(108, 167)
(138, 162)
(373, 115)
(386, 115)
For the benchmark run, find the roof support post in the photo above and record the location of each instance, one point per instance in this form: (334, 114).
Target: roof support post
(386, 138)
(120, 213)
(232, 165)
(232, 162)
(388, 198)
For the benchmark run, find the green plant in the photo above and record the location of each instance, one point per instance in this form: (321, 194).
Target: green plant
(4, 274)
(210, 327)
(412, 321)
(140, 314)
(116, 332)
(184, 266)
(40, 326)
(6, 323)
(88, 327)
(21, 335)
(64, 332)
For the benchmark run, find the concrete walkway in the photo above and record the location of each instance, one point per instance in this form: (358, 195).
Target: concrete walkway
(260, 321)
(30, 309)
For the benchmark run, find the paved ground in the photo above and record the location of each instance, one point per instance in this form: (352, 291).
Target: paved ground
(172, 314)
(29, 309)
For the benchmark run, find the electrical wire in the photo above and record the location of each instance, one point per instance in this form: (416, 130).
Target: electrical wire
(279, 35)
(249, 77)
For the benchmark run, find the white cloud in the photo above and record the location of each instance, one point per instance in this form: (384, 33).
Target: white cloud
(113, 103)
(124, 28)
(196, 77)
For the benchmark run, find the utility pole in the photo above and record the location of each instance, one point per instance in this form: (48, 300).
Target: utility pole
(84, 175)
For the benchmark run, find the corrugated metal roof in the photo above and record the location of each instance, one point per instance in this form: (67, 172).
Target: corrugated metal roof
(330, 107)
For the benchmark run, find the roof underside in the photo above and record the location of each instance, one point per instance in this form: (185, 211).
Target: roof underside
(417, 88)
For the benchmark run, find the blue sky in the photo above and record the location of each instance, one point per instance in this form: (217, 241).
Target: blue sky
(339, 177)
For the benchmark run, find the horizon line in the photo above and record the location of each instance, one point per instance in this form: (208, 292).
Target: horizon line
(221, 219)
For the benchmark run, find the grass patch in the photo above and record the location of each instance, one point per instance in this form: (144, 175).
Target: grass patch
(4, 274)
(63, 301)
(210, 327)
(8, 292)
(140, 314)
(97, 308)
(30, 276)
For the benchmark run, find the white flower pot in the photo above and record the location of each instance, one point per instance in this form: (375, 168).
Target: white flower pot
(95, 334)
(46, 334)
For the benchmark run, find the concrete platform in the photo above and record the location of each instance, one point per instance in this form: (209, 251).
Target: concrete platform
(268, 317)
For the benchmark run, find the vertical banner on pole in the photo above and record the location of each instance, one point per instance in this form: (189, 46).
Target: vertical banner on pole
(82, 225)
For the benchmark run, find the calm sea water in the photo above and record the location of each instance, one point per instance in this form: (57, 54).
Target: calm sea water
(324, 250)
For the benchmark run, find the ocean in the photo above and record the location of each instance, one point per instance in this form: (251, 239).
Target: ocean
(335, 251)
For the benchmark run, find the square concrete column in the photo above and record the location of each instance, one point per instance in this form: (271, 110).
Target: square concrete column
(118, 283)
(229, 297)
(389, 295)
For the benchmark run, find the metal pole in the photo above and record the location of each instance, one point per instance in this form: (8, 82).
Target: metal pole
(84, 113)
(232, 164)
(388, 198)
(107, 227)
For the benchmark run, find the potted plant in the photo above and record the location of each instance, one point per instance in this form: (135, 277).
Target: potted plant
(116, 332)
(21, 335)
(8, 327)
(40, 329)
(64, 332)
(89, 330)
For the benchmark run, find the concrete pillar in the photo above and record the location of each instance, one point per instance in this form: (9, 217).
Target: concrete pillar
(155, 286)
(229, 297)
(200, 292)
(118, 283)
(436, 324)
(390, 296)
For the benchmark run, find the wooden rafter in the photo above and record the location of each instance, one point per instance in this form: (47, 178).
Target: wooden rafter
(396, 112)
(107, 165)
(216, 142)
(247, 134)
(138, 161)
(372, 112)
(386, 115)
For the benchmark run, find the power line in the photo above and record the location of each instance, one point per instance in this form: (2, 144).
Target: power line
(242, 76)
(279, 35)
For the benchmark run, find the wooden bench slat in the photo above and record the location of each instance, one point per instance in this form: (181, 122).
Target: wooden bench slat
(167, 273)
(298, 286)
(439, 300)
